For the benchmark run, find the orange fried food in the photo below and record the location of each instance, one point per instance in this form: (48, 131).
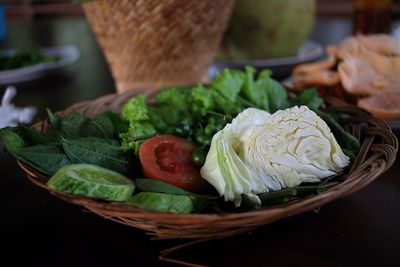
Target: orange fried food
(326, 64)
(383, 44)
(383, 106)
(318, 78)
(360, 66)
(364, 72)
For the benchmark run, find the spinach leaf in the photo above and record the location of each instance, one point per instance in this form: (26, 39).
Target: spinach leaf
(97, 151)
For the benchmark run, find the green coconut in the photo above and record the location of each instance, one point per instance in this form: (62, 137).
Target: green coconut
(268, 28)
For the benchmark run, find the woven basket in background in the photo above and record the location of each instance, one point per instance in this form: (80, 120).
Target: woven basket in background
(154, 43)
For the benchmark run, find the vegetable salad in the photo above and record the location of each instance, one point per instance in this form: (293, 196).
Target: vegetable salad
(240, 143)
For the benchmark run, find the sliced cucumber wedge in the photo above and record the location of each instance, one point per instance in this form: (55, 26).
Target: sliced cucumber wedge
(92, 181)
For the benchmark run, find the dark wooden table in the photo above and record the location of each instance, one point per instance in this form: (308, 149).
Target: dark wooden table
(37, 229)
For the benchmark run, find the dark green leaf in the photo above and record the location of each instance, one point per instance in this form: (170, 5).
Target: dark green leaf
(53, 119)
(71, 126)
(278, 197)
(310, 99)
(151, 185)
(97, 151)
(168, 115)
(46, 159)
(119, 125)
(347, 142)
(160, 202)
(12, 140)
(99, 126)
(32, 136)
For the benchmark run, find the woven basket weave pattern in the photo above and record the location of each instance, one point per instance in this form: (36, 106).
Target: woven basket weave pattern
(378, 152)
(153, 43)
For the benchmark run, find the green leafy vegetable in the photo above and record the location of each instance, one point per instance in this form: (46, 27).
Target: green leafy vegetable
(100, 126)
(24, 58)
(12, 140)
(276, 93)
(151, 185)
(46, 158)
(96, 151)
(71, 126)
(309, 98)
(348, 142)
(135, 111)
(179, 204)
(255, 91)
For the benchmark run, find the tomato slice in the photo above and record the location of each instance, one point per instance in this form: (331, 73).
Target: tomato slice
(169, 159)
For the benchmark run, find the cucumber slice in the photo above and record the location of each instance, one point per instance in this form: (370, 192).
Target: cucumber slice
(92, 181)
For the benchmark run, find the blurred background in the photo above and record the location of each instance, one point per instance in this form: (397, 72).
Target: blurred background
(52, 23)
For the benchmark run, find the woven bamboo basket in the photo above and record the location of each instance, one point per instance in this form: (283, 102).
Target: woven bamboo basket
(378, 152)
(153, 43)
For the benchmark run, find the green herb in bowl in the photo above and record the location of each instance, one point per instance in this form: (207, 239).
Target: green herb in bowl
(24, 58)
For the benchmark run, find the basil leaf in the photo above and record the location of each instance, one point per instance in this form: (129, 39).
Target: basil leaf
(21, 136)
(32, 136)
(53, 119)
(97, 151)
(119, 125)
(72, 124)
(12, 140)
(46, 159)
(99, 126)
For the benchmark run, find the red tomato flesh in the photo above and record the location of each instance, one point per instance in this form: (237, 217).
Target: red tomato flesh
(168, 159)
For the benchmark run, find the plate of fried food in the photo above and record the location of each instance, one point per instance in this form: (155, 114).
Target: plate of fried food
(362, 70)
